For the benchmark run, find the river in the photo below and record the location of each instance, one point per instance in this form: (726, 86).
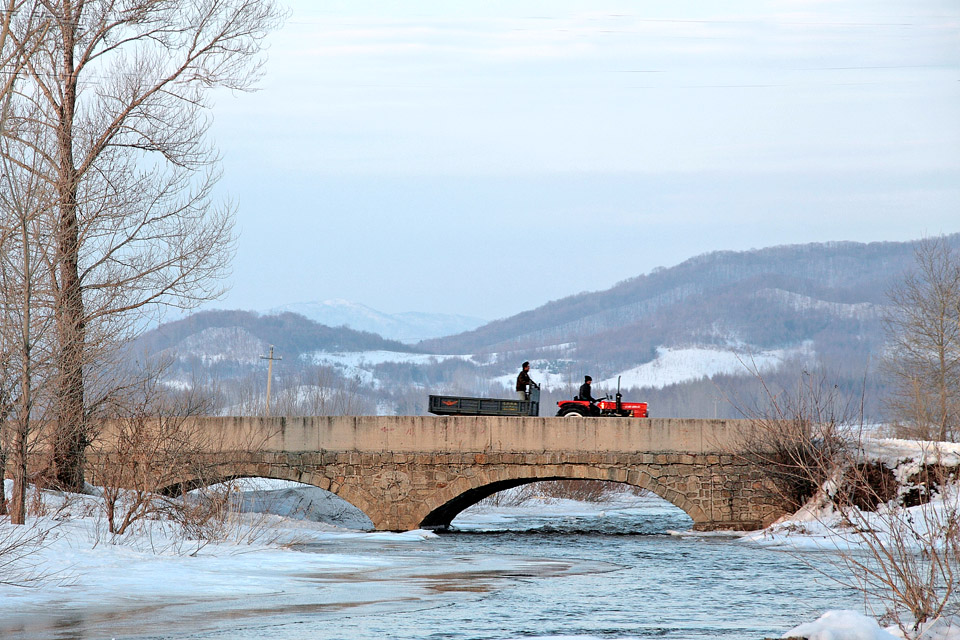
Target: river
(618, 572)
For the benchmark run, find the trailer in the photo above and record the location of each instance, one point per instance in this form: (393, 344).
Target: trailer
(462, 406)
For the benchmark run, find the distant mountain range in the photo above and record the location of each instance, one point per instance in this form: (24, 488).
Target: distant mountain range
(412, 326)
(780, 309)
(828, 295)
(229, 343)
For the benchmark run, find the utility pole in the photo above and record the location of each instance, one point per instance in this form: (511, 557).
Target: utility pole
(270, 360)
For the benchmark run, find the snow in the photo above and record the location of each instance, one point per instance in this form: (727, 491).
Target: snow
(546, 379)
(361, 359)
(153, 570)
(906, 457)
(218, 344)
(818, 526)
(800, 302)
(841, 624)
(676, 365)
(359, 365)
(947, 628)
(671, 366)
(86, 567)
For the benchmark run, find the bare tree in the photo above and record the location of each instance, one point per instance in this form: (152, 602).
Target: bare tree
(798, 435)
(151, 444)
(8, 56)
(309, 391)
(895, 546)
(923, 330)
(121, 92)
(18, 552)
(24, 268)
(153, 451)
(148, 453)
(910, 557)
(26, 321)
(15, 49)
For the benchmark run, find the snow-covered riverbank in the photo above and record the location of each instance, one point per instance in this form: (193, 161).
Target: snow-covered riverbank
(260, 557)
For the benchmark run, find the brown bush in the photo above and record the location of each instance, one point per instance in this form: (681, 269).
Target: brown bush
(867, 486)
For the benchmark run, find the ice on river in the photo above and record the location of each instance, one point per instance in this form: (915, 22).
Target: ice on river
(283, 564)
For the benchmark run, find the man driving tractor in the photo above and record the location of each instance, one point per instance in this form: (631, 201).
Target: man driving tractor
(585, 390)
(585, 394)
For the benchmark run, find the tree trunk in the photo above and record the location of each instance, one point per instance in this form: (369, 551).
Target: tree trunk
(18, 458)
(3, 474)
(71, 433)
(21, 432)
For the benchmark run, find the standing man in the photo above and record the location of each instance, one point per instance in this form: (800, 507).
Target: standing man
(523, 380)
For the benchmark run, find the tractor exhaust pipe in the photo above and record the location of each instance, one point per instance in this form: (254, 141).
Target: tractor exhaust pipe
(619, 398)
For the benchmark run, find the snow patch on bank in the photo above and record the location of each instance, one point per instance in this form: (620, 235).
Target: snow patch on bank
(841, 624)
(819, 526)
(87, 567)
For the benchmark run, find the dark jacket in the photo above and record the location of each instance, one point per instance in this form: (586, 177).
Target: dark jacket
(585, 393)
(523, 380)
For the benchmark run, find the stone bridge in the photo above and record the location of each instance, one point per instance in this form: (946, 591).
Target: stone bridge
(408, 472)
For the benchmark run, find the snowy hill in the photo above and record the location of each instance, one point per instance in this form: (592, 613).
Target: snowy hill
(406, 327)
(229, 344)
(821, 303)
(681, 338)
(769, 298)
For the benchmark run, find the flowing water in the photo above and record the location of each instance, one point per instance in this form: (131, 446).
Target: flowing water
(613, 574)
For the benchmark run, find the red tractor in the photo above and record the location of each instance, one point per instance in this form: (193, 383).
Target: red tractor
(603, 408)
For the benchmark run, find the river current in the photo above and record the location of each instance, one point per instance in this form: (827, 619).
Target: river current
(619, 573)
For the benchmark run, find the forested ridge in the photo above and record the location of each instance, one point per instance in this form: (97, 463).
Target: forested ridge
(824, 303)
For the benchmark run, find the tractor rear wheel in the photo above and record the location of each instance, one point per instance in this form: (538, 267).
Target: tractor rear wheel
(572, 412)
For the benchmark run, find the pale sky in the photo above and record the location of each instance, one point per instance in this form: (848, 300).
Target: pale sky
(482, 158)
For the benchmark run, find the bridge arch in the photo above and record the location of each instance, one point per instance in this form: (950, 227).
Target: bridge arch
(349, 494)
(440, 510)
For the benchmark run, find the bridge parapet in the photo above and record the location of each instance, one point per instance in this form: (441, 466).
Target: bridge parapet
(478, 433)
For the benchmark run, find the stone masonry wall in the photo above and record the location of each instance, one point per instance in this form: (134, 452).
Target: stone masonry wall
(406, 472)
(403, 491)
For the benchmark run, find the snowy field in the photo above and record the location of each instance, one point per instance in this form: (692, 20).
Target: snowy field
(671, 366)
(360, 364)
(675, 365)
(363, 359)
